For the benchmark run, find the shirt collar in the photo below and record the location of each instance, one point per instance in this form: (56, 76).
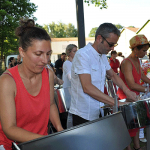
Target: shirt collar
(94, 52)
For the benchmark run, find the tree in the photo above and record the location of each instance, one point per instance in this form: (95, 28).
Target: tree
(131, 26)
(92, 32)
(71, 31)
(60, 30)
(118, 26)
(10, 13)
(101, 3)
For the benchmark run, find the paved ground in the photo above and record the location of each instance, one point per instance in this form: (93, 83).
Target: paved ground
(144, 148)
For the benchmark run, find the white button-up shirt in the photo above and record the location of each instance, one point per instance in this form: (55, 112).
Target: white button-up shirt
(87, 61)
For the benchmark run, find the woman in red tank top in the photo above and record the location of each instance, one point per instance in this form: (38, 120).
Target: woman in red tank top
(131, 74)
(27, 90)
(114, 63)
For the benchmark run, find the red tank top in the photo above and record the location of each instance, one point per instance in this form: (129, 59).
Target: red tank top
(114, 65)
(136, 76)
(32, 112)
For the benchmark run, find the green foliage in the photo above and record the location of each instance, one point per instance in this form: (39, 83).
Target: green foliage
(131, 26)
(118, 26)
(101, 3)
(92, 32)
(60, 30)
(10, 13)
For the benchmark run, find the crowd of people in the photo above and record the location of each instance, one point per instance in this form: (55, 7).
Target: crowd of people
(13, 62)
(29, 106)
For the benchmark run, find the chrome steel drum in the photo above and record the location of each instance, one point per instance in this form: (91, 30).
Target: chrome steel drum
(111, 88)
(59, 97)
(136, 114)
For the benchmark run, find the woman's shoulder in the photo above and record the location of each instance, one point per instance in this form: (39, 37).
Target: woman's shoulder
(7, 80)
(126, 62)
(6, 75)
(50, 71)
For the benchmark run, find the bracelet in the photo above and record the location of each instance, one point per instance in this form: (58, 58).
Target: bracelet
(145, 89)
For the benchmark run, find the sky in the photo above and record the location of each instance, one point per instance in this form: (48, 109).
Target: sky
(124, 12)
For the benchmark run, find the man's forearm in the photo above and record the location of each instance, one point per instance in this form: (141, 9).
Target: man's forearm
(95, 93)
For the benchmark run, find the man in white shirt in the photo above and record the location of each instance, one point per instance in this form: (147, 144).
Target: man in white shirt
(89, 68)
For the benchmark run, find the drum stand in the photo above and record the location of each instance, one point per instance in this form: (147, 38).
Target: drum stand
(112, 93)
(148, 137)
(115, 108)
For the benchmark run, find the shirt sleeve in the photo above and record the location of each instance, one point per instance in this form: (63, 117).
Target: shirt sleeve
(67, 69)
(82, 64)
(108, 67)
(69, 75)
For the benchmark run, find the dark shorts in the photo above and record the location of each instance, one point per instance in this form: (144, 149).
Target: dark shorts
(78, 120)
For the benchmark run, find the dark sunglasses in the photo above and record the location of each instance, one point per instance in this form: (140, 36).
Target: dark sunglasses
(110, 45)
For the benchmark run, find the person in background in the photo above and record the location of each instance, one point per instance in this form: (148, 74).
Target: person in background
(114, 63)
(27, 90)
(59, 64)
(51, 65)
(70, 52)
(12, 61)
(146, 70)
(120, 57)
(56, 79)
(89, 68)
(19, 59)
(131, 74)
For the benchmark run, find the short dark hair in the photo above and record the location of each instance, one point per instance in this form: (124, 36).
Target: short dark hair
(63, 54)
(105, 29)
(11, 58)
(149, 55)
(113, 52)
(27, 32)
(119, 53)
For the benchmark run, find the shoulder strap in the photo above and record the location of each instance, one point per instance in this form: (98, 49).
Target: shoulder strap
(9, 75)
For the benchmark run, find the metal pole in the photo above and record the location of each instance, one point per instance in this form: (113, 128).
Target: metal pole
(148, 137)
(80, 23)
(115, 108)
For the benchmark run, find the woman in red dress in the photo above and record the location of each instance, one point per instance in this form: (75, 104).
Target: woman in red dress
(114, 63)
(27, 90)
(131, 74)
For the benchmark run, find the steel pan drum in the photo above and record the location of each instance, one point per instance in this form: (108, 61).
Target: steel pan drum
(100, 134)
(111, 90)
(136, 114)
(59, 97)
